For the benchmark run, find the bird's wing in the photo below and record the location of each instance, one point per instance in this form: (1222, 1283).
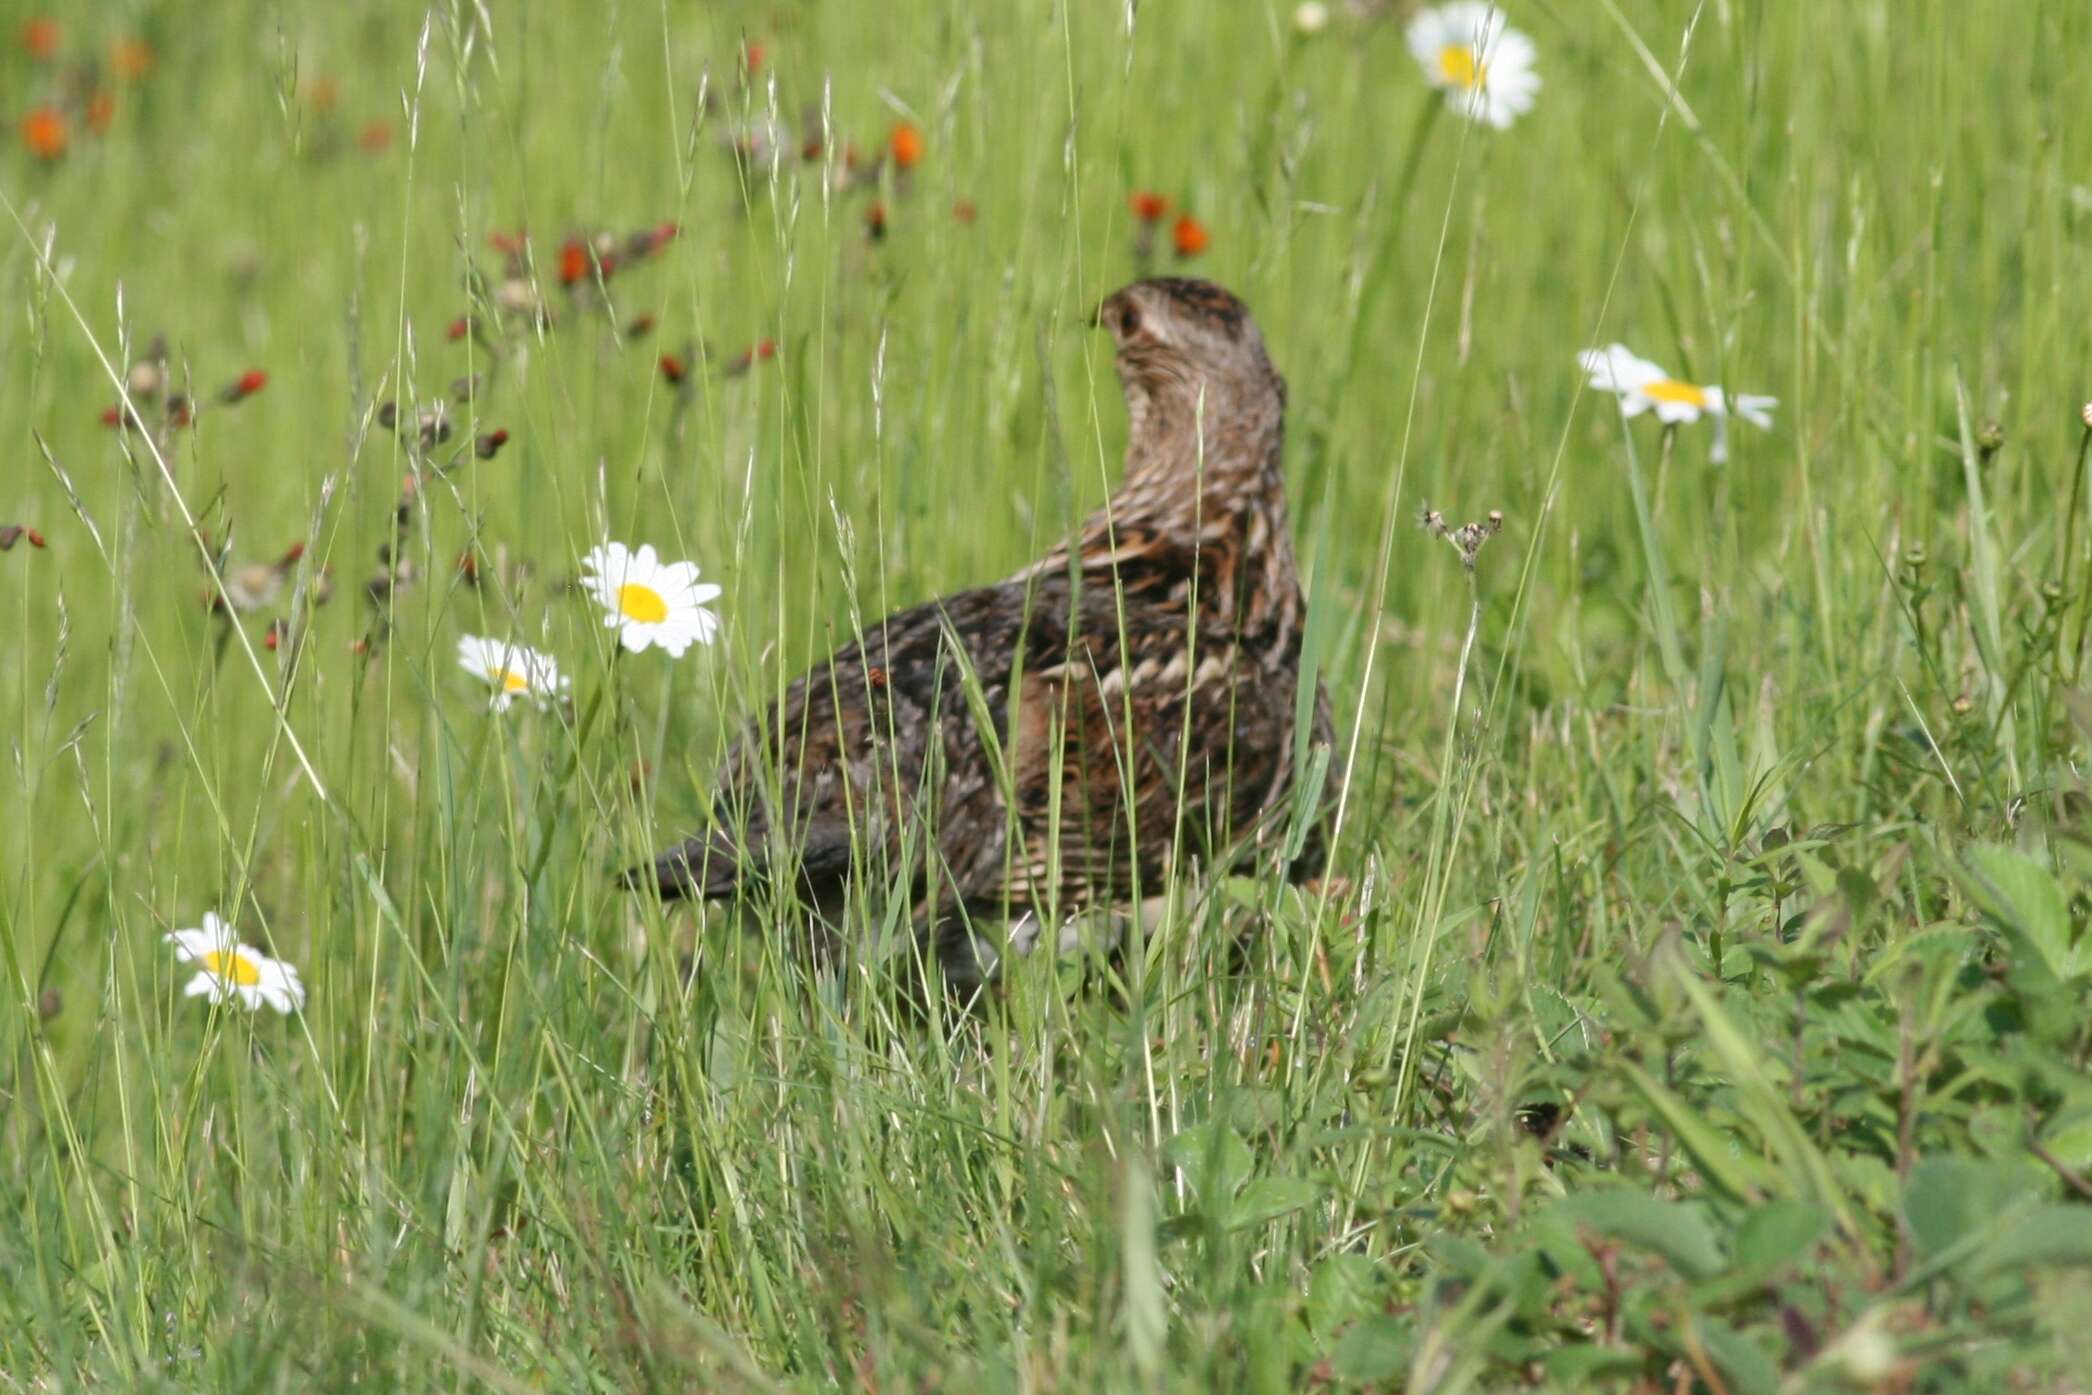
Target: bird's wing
(1143, 738)
(847, 775)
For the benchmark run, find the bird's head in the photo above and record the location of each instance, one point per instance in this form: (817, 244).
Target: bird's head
(1188, 351)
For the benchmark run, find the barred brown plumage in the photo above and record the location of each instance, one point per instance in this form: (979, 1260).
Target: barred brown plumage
(1052, 742)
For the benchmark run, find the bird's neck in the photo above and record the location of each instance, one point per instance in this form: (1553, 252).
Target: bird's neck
(1200, 516)
(1197, 458)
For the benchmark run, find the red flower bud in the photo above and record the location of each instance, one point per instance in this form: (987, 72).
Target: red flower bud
(672, 368)
(248, 384)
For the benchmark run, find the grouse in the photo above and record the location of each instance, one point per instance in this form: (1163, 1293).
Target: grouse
(1059, 741)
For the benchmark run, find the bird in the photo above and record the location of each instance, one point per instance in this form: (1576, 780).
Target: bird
(1056, 743)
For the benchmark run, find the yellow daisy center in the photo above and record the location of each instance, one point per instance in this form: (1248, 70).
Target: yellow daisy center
(641, 603)
(232, 966)
(1671, 390)
(1458, 65)
(511, 681)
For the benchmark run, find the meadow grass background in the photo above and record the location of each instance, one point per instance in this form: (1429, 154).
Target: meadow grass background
(1701, 1005)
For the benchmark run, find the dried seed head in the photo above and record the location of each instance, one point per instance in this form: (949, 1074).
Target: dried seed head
(1469, 538)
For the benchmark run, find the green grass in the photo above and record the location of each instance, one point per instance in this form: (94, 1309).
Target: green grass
(1703, 1003)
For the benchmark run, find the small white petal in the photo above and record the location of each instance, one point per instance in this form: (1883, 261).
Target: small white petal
(1673, 413)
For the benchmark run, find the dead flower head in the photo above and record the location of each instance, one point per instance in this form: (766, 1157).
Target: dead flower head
(1469, 538)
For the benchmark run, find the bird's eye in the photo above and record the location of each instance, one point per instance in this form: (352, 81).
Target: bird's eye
(1129, 322)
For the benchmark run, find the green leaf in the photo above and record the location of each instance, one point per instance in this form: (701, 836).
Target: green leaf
(1579, 1368)
(1676, 1231)
(1749, 1369)
(1268, 1198)
(2019, 893)
(1373, 1350)
(2069, 1137)
(2051, 1235)
(1949, 1200)
(1342, 1287)
(1213, 1160)
(1739, 1174)
(1779, 1233)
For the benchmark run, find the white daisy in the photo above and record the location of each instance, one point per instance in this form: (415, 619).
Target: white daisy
(1642, 386)
(1484, 66)
(650, 601)
(229, 970)
(513, 670)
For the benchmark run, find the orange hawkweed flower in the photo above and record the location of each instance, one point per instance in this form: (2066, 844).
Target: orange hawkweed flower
(963, 212)
(44, 132)
(40, 38)
(101, 110)
(244, 386)
(573, 262)
(672, 368)
(375, 138)
(906, 143)
(1148, 206)
(875, 221)
(1189, 235)
(131, 58)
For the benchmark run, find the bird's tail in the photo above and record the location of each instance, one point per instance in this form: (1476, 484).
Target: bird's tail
(704, 866)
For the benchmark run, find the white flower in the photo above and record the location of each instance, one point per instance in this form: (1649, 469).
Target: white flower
(1642, 386)
(1311, 17)
(650, 601)
(513, 670)
(1484, 65)
(230, 970)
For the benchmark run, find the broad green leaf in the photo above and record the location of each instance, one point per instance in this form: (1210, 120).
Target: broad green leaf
(1779, 1233)
(1739, 1174)
(2051, 1235)
(1949, 1200)
(1213, 1160)
(1268, 1198)
(1672, 1229)
(1342, 1287)
(1748, 1369)
(1579, 1368)
(2019, 893)
(2068, 1137)
(1372, 1350)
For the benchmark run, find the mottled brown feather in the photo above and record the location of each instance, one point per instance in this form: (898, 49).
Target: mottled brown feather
(1155, 661)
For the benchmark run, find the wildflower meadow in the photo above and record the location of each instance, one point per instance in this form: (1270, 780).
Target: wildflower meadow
(436, 429)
